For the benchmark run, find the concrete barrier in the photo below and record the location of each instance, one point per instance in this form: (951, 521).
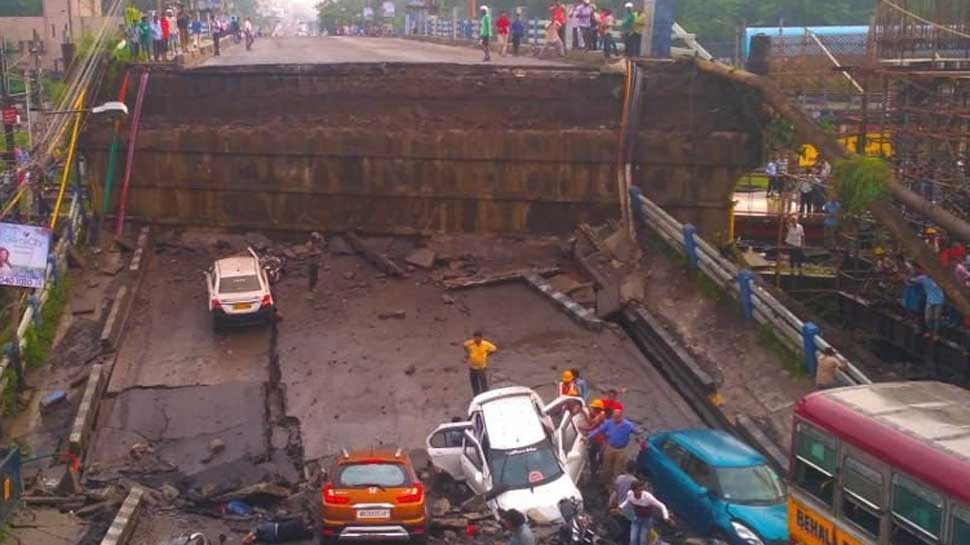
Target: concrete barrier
(124, 522)
(87, 411)
(113, 325)
(577, 312)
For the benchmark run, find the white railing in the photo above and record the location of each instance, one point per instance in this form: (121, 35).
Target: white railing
(756, 302)
(55, 272)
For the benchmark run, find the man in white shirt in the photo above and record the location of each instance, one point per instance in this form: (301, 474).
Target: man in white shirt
(248, 32)
(795, 239)
(644, 505)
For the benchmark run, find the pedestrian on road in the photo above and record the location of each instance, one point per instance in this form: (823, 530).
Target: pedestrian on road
(644, 504)
(196, 32)
(182, 22)
(621, 488)
(216, 32)
(477, 351)
(553, 40)
(557, 13)
(313, 272)
(145, 38)
(831, 208)
(133, 35)
(166, 33)
(618, 431)
(639, 27)
(606, 33)
(518, 31)
(596, 418)
(825, 369)
(248, 33)
(795, 239)
(612, 402)
(584, 20)
(158, 38)
(485, 31)
(172, 41)
(771, 170)
(502, 28)
(631, 43)
(933, 309)
(567, 387)
(581, 384)
(518, 526)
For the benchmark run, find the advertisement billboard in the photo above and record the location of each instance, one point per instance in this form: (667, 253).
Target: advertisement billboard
(23, 255)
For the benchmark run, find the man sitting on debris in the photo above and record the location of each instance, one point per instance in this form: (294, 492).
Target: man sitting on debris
(516, 523)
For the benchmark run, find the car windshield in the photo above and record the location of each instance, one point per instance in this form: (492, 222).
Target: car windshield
(755, 484)
(387, 475)
(239, 284)
(524, 467)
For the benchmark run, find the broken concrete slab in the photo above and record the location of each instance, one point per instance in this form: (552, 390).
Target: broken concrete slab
(258, 490)
(631, 287)
(393, 314)
(621, 246)
(75, 259)
(123, 524)
(112, 264)
(421, 257)
(497, 278)
(378, 260)
(564, 283)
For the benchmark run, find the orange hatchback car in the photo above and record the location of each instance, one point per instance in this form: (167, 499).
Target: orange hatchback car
(372, 495)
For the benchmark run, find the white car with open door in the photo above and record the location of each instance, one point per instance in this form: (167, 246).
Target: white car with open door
(238, 292)
(515, 450)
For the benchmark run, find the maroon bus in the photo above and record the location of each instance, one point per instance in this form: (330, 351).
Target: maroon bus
(881, 464)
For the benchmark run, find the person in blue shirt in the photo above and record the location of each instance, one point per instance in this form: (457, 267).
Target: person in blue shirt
(771, 170)
(518, 31)
(934, 305)
(582, 387)
(618, 431)
(832, 207)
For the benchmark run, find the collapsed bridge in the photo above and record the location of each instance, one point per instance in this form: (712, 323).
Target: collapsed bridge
(409, 148)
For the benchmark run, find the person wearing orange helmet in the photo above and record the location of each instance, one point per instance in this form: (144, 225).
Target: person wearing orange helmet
(567, 384)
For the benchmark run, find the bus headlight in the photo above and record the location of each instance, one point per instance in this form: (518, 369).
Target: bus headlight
(746, 534)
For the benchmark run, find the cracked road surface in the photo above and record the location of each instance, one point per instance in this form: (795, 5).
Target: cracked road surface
(345, 49)
(176, 385)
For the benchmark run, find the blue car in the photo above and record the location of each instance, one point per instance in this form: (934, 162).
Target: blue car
(718, 485)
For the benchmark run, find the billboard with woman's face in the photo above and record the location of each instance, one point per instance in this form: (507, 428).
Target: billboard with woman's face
(23, 255)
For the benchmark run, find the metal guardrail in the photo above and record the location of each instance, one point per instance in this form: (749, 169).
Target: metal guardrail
(757, 303)
(56, 264)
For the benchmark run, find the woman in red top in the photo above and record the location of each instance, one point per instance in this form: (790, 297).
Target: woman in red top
(503, 25)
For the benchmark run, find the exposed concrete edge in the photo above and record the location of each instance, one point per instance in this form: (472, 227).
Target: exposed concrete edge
(577, 312)
(697, 387)
(754, 434)
(124, 522)
(111, 333)
(86, 412)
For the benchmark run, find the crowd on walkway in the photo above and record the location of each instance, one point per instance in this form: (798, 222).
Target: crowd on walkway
(607, 433)
(159, 37)
(592, 29)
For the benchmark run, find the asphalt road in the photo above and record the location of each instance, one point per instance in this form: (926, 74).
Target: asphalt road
(344, 49)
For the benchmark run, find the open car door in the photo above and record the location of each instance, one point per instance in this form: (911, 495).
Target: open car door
(445, 446)
(474, 466)
(572, 447)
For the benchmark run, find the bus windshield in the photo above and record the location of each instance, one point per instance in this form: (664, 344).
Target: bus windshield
(755, 484)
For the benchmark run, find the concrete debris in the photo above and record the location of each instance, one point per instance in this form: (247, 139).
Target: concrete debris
(439, 507)
(449, 523)
(289, 254)
(258, 490)
(631, 287)
(258, 241)
(475, 503)
(447, 299)
(349, 275)
(124, 244)
(339, 246)
(139, 450)
(75, 259)
(498, 278)
(54, 398)
(421, 257)
(395, 314)
(620, 245)
(112, 264)
(169, 492)
(410, 370)
(380, 261)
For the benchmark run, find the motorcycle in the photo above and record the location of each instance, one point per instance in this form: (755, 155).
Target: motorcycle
(577, 526)
(272, 264)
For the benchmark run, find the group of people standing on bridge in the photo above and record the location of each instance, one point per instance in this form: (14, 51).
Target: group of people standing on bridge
(592, 29)
(154, 36)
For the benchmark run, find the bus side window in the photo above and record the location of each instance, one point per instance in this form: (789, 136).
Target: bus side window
(960, 526)
(917, 513)
(862, 496)
(815, 462)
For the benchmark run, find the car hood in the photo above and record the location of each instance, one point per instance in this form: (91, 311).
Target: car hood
(541, 504)
(768, 521)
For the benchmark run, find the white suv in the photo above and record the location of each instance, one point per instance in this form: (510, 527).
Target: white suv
(238, 292)
(517, 451)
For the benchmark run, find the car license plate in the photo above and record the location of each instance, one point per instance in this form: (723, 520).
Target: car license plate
(240, 306)
(374, 513)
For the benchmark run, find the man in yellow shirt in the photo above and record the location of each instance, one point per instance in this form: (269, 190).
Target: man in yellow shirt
(477, 351)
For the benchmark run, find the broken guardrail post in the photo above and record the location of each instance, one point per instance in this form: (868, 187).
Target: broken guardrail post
(744, 293)
(690, 244)
(809, 331)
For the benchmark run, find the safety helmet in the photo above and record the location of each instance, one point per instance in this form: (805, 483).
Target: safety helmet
(483, 8)
(597, 404)
(567, 375)
(628, 5)
(931, 230)
(879, 250)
